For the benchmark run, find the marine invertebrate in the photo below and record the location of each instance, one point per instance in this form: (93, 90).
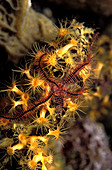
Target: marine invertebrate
(64, 76)
(101, 90)
(51, 87)
(38, 149)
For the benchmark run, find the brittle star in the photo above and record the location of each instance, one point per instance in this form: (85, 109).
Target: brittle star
(59, 89)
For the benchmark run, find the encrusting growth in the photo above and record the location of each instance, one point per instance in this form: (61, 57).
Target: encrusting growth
(49, 94)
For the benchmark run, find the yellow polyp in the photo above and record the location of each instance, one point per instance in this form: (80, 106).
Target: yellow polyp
(36, 82)
(49, 159)
(71, 105)
(43, 112)
(69, 61)
(19, 146)
(17, 103)
(14, 125)
(97, 94)
(15, 89)
(86, 31)
(79, 26)
(27, 72)
(98, 68)
(33, 146)
(52, 60)
(32, 139)
(43, 139)
(22, 139)
(41, 121)
(55, 133)
(73, 42)
(10, 150)
(84, 73)
(25, 98)
(106, 100)
(39, 151)
(38, 157)
(63, 32)
(43, 166)
(60, 52)
(32, 164)
(51, 110)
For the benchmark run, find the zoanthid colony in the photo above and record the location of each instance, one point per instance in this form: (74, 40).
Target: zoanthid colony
(48, 98)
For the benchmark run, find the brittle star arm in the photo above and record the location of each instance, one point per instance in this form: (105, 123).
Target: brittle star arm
(29, 110)
(43, 72)
(80, 67)
(77, 93)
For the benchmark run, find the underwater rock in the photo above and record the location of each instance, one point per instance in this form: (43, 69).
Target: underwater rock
(86, 147)
(21, 26)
